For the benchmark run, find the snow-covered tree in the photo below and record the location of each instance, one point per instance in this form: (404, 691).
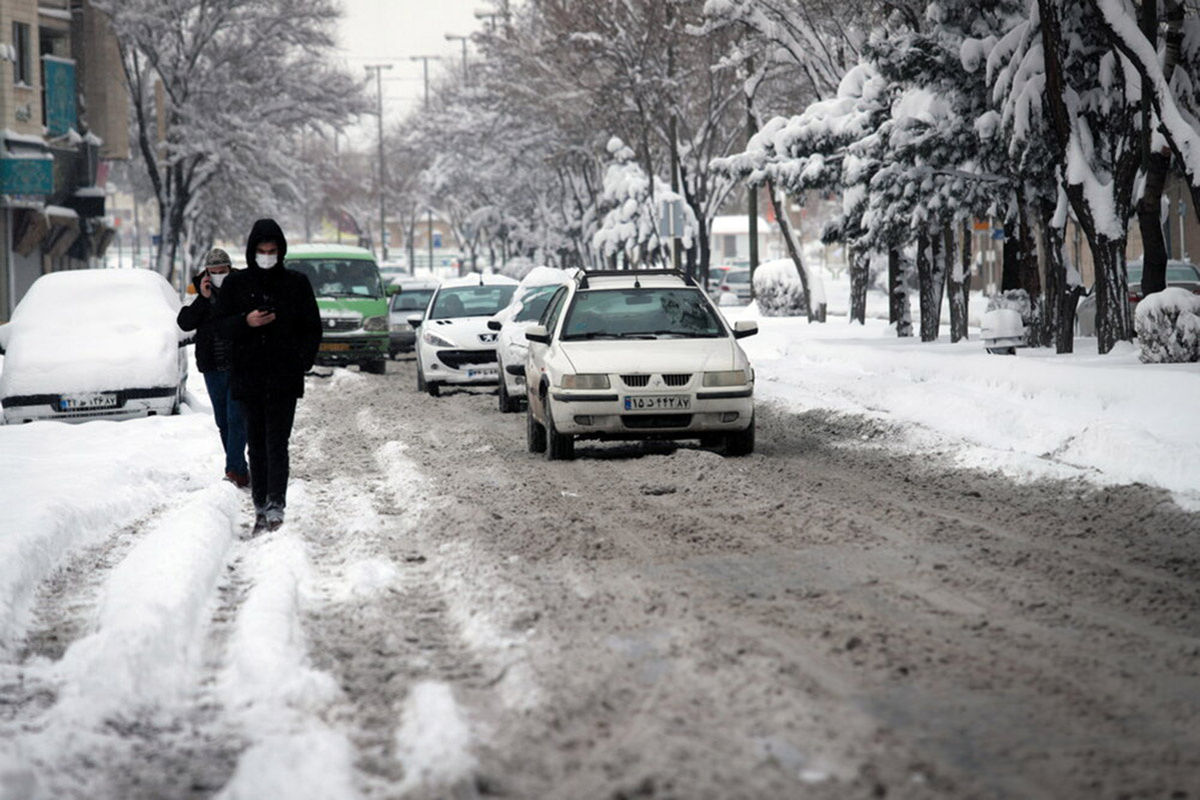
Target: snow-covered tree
(220, 91)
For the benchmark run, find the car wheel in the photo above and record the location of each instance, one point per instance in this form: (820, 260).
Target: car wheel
(508, 405)
(1002, 351)
(535, 434)
(420, 378)
(434, 389)
(559, 446)
(740, 443)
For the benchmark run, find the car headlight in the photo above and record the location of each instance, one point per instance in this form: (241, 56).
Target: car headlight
(434, 340)
(585, 381)
(375, 324)
(733, 377)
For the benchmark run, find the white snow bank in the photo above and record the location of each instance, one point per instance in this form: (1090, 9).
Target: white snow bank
(1109, 419)
(152, 613)
(310, 765)
(64, 487)
(778, 291)
(434, 740)
(1168, 327)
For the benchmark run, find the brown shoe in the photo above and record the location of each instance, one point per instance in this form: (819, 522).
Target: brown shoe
(238, 479)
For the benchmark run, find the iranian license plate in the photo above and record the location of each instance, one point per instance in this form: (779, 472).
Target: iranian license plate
(76, 402)
(658, 402)
(484, 372)
(334, 346)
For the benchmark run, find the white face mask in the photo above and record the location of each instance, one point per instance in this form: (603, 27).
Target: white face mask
(218, 279)
(265, 261)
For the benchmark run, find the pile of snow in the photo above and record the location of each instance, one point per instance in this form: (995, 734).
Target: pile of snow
(92, 330)
(1168, 327)
(1015, 299)
(517, 268)
(778, 290)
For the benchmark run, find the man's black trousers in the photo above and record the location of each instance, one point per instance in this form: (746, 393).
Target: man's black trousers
(268, 428)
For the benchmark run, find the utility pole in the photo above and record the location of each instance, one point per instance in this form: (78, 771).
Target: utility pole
(752, 191)
(425, 61)
(451, 37)
(378, 69)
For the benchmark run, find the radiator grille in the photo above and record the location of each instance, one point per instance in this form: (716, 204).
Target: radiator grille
(677, 380)
(635, 381)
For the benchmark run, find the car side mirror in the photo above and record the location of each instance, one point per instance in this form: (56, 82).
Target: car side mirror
(494, 325)
(415, 320)
(744, 327)
(538, 333)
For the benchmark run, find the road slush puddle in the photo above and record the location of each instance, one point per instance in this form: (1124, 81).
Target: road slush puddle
(825, 618)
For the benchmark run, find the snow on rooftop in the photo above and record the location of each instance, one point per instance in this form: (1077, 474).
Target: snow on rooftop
(733, 224)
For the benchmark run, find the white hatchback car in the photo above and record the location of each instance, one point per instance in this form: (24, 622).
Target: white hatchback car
(528, 303)
(93, 343)
(638, 354)
(454, 344)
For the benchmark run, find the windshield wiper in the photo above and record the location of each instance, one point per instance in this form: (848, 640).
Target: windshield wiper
(591, 335)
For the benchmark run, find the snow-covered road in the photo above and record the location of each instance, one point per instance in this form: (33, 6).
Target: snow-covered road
(446, 615)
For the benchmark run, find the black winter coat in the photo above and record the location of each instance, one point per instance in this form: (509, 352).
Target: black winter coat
(269, 360)
(212, 348)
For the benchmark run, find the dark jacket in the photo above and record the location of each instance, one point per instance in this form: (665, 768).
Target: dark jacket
(212, 348)
(271, 359)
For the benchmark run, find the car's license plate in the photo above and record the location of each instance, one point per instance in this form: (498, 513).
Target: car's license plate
(486, 372)
(658, 402)
(337, 346)
(75, 402)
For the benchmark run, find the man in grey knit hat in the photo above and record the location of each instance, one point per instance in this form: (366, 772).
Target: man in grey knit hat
(213, 359)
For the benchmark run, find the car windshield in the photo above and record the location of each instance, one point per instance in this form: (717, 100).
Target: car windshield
(471, 301)
(641, 314)
(340, 277)
(534, 303)
(411, 300)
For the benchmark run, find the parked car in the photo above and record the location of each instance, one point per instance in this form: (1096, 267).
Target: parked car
(529, 301)
(637, 354)
(454, 344)
(352, 302)
(89, 344)
(734, 288)
(412, 296)
(716, 272)
(1183, 274)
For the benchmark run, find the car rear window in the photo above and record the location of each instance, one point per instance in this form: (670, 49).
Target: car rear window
(471, 301)
(412, 300)
(641, 314)
(534, 303)
(737, 277)
(1181, 273)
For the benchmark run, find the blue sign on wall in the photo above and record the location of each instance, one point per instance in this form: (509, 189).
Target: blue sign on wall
(60, 95)
(437, 240)
(26, 175)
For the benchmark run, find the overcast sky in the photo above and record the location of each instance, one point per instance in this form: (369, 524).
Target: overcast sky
(392, 31)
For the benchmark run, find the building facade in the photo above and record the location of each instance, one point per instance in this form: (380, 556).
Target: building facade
(61, 95)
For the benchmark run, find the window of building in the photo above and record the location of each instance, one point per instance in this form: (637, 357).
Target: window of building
(730, 249)
(22, 65)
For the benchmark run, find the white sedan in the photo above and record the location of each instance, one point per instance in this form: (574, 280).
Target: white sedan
(637, 355)
(530, 300)
(87, 344)
(454, 344)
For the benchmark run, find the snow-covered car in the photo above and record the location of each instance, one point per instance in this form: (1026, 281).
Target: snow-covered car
(411, 297)
(454, 344)
(86, 344)
(529, 302)
(637, 354)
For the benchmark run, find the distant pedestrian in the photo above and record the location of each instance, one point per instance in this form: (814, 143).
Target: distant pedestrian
(272, 318)
(213, 350)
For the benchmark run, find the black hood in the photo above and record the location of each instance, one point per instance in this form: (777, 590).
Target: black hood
(265, 230)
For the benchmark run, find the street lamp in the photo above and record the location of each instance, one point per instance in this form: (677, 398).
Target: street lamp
(450, 37)
(378, 69)
(425, 61)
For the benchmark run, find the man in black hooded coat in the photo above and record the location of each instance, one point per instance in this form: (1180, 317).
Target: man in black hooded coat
(271, 317)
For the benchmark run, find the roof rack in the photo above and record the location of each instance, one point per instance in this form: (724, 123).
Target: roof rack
(632, 273)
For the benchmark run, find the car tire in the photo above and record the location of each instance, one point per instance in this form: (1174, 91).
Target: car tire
(559, 446)
(508, 404)
(535, 434)
(1002, 351)
(740, 443)
(420, 378)
(434, 389)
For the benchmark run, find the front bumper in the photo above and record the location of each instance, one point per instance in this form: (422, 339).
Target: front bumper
(402, 341)
(602, 414)
(460, 366)
(336, 350)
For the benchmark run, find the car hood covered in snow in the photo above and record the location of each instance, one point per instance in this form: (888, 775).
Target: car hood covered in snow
(468, 333)
(90, 331)
(644, 356)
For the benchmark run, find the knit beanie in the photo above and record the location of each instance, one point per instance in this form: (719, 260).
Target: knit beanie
(217, 258)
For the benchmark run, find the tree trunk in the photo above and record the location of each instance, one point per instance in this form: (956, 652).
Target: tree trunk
(958, 276)
(860, 262)
(898, 309)
(1030, 280)
(1155, 165)
(1061, 297)
(786, 230)
(1112, 294)
(931, 282)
